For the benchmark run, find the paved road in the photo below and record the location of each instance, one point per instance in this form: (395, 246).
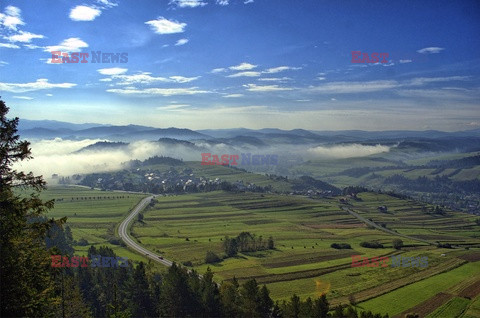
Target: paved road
(381, 228)
(122, 231)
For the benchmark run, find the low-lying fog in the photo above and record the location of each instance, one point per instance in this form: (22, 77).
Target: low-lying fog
(62, 157)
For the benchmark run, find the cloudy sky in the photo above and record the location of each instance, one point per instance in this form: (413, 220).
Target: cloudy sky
(244, 63)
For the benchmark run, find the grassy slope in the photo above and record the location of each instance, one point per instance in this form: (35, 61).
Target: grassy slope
(474, 310)
(95, 216)
(411, 295)
(328, 169)
(454, 308)
(309, 226)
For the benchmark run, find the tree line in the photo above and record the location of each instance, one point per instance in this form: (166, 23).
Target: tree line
(139, 291)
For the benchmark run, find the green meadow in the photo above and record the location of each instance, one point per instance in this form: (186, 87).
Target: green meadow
(93, 215)
(407, 297)
(184, 227)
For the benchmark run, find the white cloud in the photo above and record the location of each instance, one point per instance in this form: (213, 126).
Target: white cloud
(280, 69)
(9, 46)
(218, 70)
(68, 45)
(165, 26)
(107, 3)
(181, 42)
(188, 3)
(353, 87)
(347, 151)
(223, 2)
(112, 71)
(245, 74)
(108, 79)
(233, 95)
(243, 67)
(84, 13)
(425, 80)
(146, 78)
(266, 88)
(382, 85)
(405, 61)
(12, 22)
(31, 46)
(25, 37)
(159, 91)
(437, 94)
(248, 1)
(57, 156)
(2, 63)
(173, 107)
(49, 95)
(23, 97)
(430, 50)
(140, 78)
(182, 79)
(40, 84)
(275, 79)
(11, 18)
(12, 11)
(321, 78)
(237, 110)
(49, 61)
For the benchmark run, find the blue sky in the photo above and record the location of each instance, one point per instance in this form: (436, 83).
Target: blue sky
(245, 63)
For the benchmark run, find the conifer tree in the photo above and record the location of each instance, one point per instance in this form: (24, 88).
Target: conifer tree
(27, 287)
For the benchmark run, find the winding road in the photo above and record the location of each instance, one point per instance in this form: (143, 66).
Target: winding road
(123, 232)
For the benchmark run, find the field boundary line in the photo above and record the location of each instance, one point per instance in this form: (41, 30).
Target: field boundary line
(375, 225)
(409, 279)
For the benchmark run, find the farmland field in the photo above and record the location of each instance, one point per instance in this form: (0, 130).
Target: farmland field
(404, 298)
(454, 308)
(93, 215)
(184, 227)
(474, 310)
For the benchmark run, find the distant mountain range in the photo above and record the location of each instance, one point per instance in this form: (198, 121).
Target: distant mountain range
(48, 129)
(25, 124)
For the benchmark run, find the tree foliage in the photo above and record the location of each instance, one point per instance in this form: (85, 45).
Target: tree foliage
(397, 244)
(27, 287)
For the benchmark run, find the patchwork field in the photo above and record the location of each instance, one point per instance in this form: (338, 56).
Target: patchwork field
(406, 217)
(93, 215)
(184, 227)
(409, 296)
